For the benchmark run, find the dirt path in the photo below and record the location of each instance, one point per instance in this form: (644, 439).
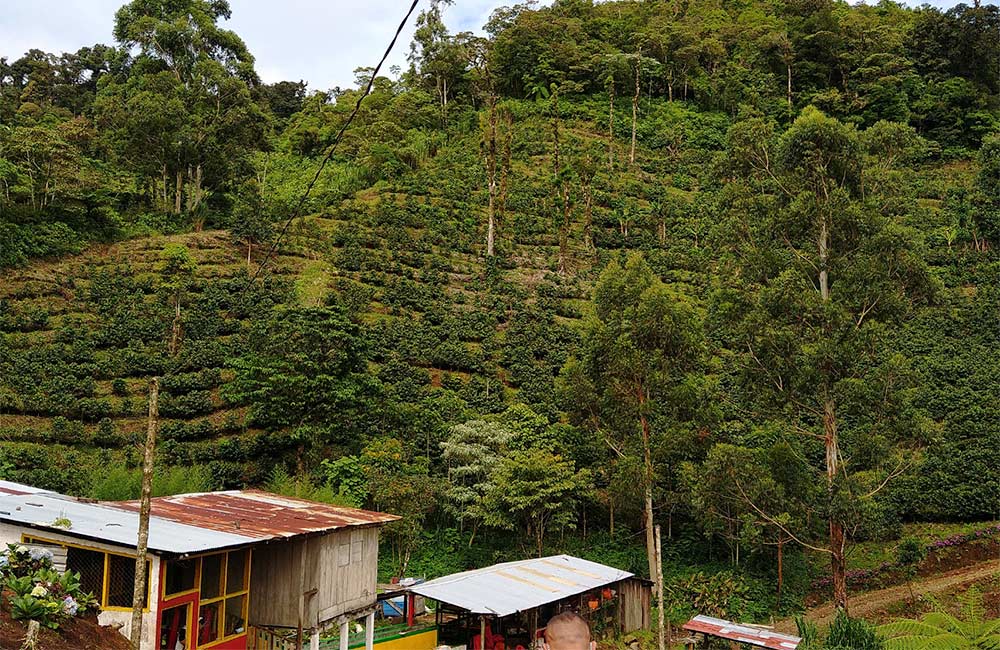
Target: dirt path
(872, 602)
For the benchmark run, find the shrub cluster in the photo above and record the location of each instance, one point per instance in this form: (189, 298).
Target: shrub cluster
(37, 592)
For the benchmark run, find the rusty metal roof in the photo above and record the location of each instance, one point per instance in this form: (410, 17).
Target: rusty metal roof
(258, 515)
(503, 589)
(742, 633)
(184, 524)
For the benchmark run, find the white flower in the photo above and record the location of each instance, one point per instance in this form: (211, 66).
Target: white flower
(39, 591)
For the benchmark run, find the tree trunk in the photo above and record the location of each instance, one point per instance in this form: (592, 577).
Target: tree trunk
(555, 134)
(562, 189)
(175, 327)
(588, 217)
(491, 228)
(838, 540)
(838, 565)
(139, 586)
(178, 191)
(508, 134)
(661, 618)
(196, 200)
(444, 102)
(650, 541)
(635, 109)
(824, 255)
(788, 66)
(781, 573)
(31, 638)
(647, 485)
(491, 174)
(564, 230)
(611, 126)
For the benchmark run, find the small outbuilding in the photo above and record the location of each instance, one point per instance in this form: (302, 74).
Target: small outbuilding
(224, 567)
(739, 634)
(510, 603)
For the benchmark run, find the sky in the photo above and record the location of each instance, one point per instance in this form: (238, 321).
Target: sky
(318, 41)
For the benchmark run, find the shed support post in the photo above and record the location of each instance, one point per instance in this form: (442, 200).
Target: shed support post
(314, 640)
(482, 633)
(345, 630)
(370, 631)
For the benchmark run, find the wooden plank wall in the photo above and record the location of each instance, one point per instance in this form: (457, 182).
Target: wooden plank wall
(340, 572)
(349, 573)
(634, 612)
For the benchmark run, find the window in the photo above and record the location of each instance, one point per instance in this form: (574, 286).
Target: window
(180, 577)
(110, 577)
(225, 583)
(211, 576)
(121, 581)
(236, 571)
(174, 623)
(235, 615)
(208, 622)
(90, 566)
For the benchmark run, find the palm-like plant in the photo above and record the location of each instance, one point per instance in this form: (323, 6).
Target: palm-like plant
(942, 631)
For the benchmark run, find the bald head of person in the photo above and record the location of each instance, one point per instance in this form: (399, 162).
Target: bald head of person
(567, 631)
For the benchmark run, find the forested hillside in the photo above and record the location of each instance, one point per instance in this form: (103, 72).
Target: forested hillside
(726, 267)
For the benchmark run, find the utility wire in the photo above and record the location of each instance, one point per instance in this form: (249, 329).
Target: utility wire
(333, 147)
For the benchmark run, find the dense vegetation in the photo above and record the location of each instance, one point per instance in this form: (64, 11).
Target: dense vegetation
(726, 267)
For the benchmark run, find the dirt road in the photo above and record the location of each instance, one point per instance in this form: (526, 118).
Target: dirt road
(869, 603)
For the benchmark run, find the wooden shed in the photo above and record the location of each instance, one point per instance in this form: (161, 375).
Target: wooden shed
(636, 605)
(224, 567)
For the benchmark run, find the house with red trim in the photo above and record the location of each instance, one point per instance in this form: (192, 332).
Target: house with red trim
(225, 568)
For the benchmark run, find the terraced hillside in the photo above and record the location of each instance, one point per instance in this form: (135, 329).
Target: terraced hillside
(453, 335)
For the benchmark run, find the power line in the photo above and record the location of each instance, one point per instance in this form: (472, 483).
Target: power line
(333, 147)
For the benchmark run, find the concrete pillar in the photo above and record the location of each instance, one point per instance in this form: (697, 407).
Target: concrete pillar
(314, 640)
(345, 631)
(370, 631)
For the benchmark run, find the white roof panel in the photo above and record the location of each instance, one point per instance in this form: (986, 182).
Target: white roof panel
(504, 589)
(28, 506)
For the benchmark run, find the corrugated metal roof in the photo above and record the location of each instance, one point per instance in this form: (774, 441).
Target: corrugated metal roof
(102, 523)
(504, 589)
(742, 633)
(256, 514)
(183, 524)
(7, 487)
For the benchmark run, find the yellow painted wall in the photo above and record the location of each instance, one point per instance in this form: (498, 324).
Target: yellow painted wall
(420, 641)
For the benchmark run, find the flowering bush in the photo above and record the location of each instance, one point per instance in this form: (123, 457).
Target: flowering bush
(37, 591)
(18, 560)
(964, 538)
(870, 577)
